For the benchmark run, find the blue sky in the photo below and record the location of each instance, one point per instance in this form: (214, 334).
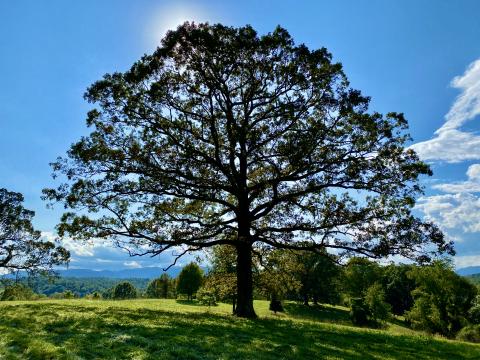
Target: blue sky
(417, 57)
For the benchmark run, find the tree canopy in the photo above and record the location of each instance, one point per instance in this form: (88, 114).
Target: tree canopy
(161, 287)
(222, 136)
(21, 246)
(189, 280)
(442, 299)
(124, 290)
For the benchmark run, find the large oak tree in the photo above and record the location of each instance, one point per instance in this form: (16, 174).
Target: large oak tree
(222, 136)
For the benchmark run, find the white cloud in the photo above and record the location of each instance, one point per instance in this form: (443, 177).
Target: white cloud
(473, 172)
(450, 144)
(103, 261)
(472, 185)
(451, 211)
(132, 264)
(467, 260)
(75, 247)
(459, 208)
(467, 104)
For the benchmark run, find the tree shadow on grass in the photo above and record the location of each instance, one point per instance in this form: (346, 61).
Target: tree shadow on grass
(188, 302)
(62, 332)
(318, 313)
(399, 322)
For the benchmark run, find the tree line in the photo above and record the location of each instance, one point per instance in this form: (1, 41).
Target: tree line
(431, 298)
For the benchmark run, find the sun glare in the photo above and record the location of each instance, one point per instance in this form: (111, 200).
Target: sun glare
(169, 18)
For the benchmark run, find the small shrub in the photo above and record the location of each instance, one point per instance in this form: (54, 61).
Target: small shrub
(359, 311)
(470, 333)
(275, 305)
(206, 297)
(17, 292)
(68, 294)
(94, 296)
(124, 290)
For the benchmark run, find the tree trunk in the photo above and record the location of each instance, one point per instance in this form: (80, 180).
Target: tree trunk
(305, 299)
(244, 306)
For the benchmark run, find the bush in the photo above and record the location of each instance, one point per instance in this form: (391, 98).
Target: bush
(359, 311)
(470, 333)
(68, 294)
(206, 297)
(275, 305)
(94, 296)
(17, 292)
(442, 299)
(474, 312)
(378, 308)
(124, 290)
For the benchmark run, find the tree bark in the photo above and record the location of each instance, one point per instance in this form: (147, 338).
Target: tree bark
(244, 304)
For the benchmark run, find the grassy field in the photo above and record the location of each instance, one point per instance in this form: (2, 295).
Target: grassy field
(166, 329)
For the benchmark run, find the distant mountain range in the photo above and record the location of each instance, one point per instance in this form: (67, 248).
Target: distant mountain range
(137, 273)
(470, 270)
(154, 272)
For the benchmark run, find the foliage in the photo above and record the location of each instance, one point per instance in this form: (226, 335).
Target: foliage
(17, 292)
(124, 290)
(21, 248)
(298, 274)
(79, 286)
(162, 287)
(94, 296)
(68, 294)
(223, 285)
(278, 275)
(189, 280)
(398, 287)
(223, 137)
(358, 275)
(475, 279)
(359, 311)
(275, 305)
(378, 308)
(206, 296)
(442, 299)
(221, 276)
(469, 333)
(165, 329)
(474, 312)
(318, 275)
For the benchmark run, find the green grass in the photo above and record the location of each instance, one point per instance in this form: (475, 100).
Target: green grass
(165, 329)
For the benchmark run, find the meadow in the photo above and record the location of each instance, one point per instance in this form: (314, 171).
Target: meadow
(170, 329)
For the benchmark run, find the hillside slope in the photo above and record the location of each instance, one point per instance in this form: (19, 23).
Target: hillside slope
(165, 329)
